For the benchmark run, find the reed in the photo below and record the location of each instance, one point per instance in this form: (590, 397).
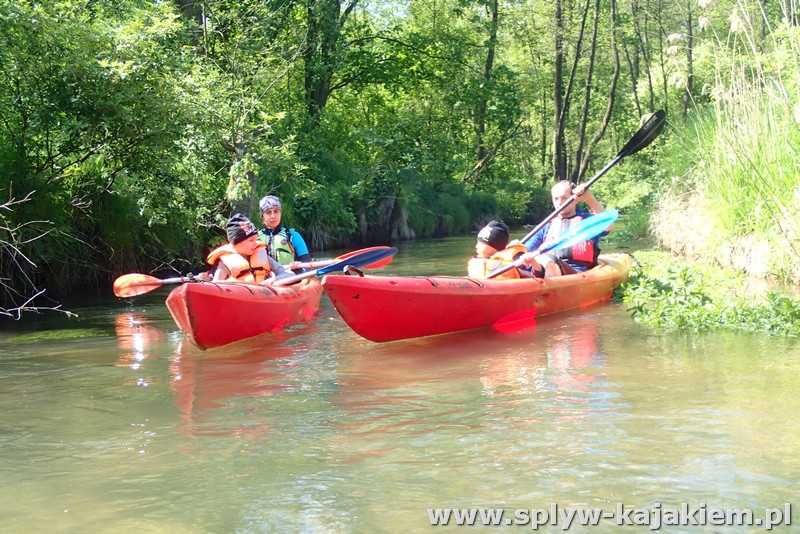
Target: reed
(741, 153)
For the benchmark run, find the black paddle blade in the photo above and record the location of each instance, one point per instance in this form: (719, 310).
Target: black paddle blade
(645, 135)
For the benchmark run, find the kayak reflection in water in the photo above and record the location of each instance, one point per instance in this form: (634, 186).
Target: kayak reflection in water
(244, 258)
(135, 338)
(202, 385)
(567, 362)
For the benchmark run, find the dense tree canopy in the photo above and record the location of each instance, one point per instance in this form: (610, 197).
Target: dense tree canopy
(138, 126)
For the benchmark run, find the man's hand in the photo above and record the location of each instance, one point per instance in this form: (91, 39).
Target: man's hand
(582, 194)
(295, 265)
(529, 259)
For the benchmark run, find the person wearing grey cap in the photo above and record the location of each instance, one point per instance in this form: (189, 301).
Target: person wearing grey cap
(284, 244)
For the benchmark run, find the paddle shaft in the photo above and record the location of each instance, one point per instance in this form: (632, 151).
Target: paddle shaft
(356, 260)
(382, 262)
(294, 278)
(176, 280)
(570, 200)
(316, 264)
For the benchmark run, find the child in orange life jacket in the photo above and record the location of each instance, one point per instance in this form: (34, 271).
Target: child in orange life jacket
(492, 250)
(244, 258)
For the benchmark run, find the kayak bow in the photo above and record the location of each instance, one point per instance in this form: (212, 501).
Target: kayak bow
(214, 314)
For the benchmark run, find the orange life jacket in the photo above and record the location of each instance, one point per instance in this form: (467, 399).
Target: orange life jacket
(481, 267)
(252, 270)
(583, 252)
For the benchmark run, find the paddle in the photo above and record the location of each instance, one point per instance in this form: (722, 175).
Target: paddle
(383, 262)
(357, 260)
(645, 135)
(585, 230)
(135, 284)
(642, 138)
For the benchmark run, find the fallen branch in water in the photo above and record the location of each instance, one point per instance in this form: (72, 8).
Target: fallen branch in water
(16, 313)
(18, 290)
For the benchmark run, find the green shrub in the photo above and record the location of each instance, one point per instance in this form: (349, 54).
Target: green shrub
(678, 297)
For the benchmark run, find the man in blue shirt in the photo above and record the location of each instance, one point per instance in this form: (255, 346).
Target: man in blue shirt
(285, 245)
(576, 259)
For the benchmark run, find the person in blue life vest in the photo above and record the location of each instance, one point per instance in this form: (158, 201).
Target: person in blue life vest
(285, 245)
(244, 258)
(576, 259)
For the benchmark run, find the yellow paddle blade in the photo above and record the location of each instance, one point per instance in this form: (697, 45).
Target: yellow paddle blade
(131, 285)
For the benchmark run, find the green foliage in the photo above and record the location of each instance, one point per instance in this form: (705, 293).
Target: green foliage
(675, 301)
(141, 125)
(676, 297)
(634, 224)
(738, 154)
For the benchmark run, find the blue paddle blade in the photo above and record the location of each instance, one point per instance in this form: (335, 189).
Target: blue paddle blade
(588, 228)
(357, 260)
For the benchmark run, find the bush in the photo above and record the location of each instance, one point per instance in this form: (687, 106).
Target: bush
(672, 296)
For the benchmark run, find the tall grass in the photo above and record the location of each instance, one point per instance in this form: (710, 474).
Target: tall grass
(744, 148)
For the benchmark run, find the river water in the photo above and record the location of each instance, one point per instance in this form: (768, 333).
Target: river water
(112, 422)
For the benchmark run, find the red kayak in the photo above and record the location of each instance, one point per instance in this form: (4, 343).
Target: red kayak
(213, 314)
(387, 308)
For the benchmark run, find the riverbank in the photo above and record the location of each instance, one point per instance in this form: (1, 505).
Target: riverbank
(679, 294)
(729, 193)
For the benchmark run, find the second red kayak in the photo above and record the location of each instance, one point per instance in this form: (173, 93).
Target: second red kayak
(387, 308)
(214, 314)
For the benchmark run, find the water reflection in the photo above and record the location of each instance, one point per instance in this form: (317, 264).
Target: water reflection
(561, 353)
(574, 356)
(135, 339)
(475, 382)
(205, 383)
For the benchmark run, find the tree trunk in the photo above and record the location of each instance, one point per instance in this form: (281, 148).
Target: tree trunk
(543, 147)
(192, 10)
(241, 193)
(661, 34)
(644, 48)
(325, 20)
(480, 107)
(562, 115)
(587, 95)
(688, 95)
(612, 93)
(559, 153)
(634, 75)
(790, 13)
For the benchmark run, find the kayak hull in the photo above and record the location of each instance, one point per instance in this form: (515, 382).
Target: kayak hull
(388, 308)
(215, 314)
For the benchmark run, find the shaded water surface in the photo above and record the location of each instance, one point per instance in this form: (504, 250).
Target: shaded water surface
(112, 422)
